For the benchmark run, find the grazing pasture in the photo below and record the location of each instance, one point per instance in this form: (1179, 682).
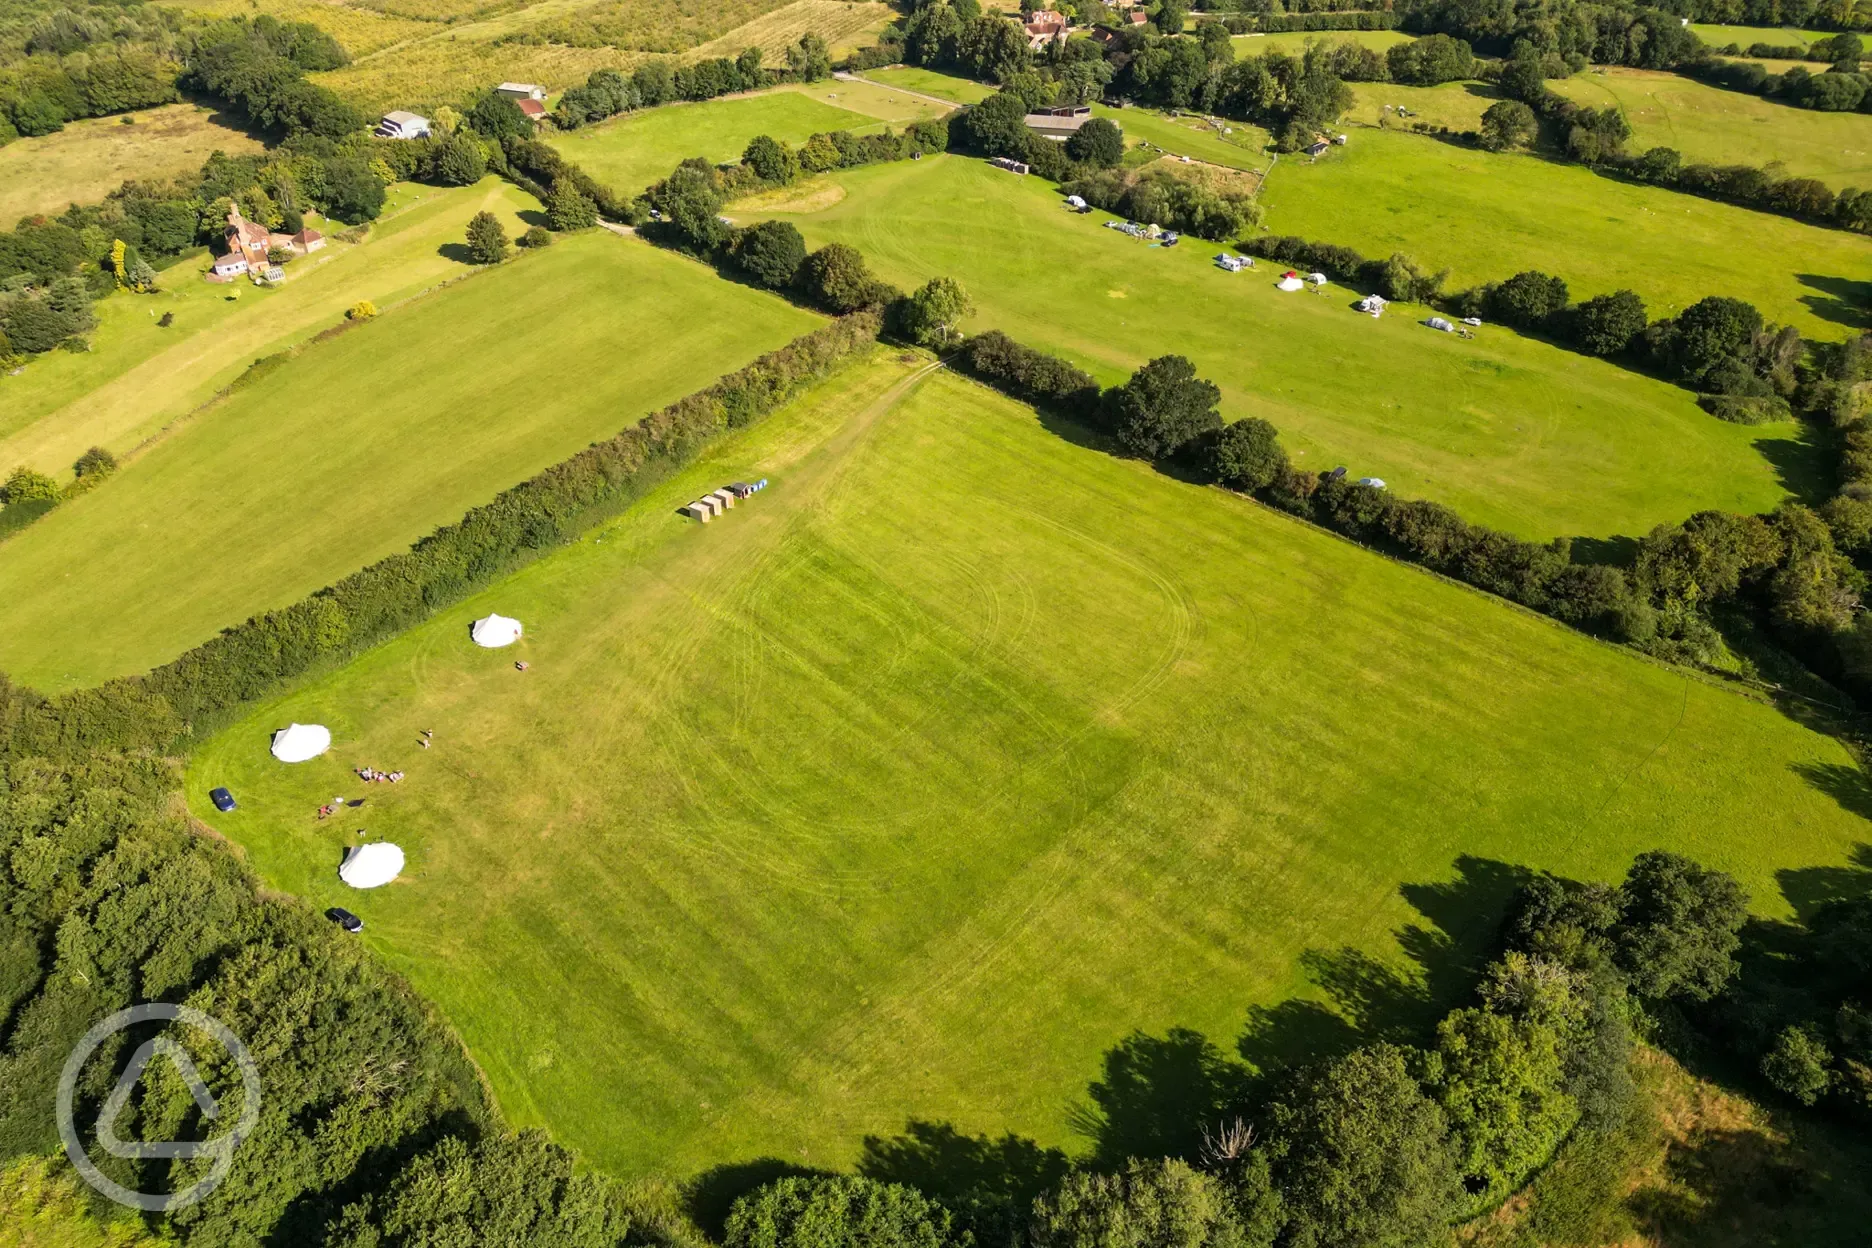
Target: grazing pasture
(362, 444)
(932, 82)
(1509, 430)
(89, 159)
(139, 376)
(1294, 42)
(630, 152)
(912, 787)
(1488, 215)
(1744, 36)
(1712, 126)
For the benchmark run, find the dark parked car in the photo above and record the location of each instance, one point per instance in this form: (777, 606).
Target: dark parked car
(223, 800)
(345, 919)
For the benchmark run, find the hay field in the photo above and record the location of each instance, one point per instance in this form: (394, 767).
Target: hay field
(363, 444)
(843, 24)
(1713, 126)
(1487, 216)
(1510, 431)
(359, 28)
(89, 159)
(910, 788)
(139, 376)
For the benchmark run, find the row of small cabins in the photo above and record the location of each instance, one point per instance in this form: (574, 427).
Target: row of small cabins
(715, 502)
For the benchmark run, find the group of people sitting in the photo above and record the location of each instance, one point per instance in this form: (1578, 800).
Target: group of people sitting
(370, 775)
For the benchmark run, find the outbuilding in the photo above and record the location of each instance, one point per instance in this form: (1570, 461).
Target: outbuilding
(1374, 304)
(402, 125)
(521, 90)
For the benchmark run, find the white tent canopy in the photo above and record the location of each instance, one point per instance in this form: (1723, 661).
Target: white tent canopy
(371, 866)
(1290, 283)
(496, 631)
(295, 743)
(1318, 279)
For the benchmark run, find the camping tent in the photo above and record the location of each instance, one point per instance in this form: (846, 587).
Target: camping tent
(1290, 282)
(295, 743)
(495, 631)
(371, 866)
(1437, 322)
(1318, 279)
(1075, 201)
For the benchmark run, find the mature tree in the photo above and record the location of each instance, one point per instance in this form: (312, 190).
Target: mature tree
(1680, 928)
(353, 191)
(460, 162)
(24, 485)
(567, 208)
(535, 236)
(1149, 1204)
(1363, 1158)
(1527, 299)
(748, 65)
(772, 159)
(839, 1211)
(1797, 1064)
(1428, 61)
(932, 317)
(808, 60)
(1813, 595)
(1163, 408)
(931, 34)
(998, 125)
(1171, 17)
(1607, 324)
(993, 48)
(34, 325)
(499, 117)
(690, 199)
(487, 241)
(837, 277)
(1508, 124)
(1247, 455)
(770, 252)
(1217, 45)
(1710, 334)
(1098, 142)
(96, 462)
(1500, 1082)
(1523, 78)
(518, 1190)
(1707, 558)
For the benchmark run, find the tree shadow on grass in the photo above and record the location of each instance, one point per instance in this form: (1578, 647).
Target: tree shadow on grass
(1611, 552)
(713, 1193)
(458, 252)
(990, 1183)
(1803, 464)
(1158, 1095)
(1809, 889)
(533, 216)
(1840, 300)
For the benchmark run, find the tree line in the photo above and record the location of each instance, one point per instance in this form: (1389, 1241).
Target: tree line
(608, 92)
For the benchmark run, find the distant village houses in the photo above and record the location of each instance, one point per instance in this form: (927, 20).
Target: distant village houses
(1045, 28)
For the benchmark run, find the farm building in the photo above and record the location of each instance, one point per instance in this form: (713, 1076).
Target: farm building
(533, 109)
(305, 242)
(401, 125)
(521, 90)
(1316, 148)
(1059, 124)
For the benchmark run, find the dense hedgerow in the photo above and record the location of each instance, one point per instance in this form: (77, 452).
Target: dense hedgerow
(204, 687)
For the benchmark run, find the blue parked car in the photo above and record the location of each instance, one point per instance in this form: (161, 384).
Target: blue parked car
(222, 799)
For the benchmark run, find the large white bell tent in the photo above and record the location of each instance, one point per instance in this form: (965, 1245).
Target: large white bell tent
(371, 866)
(295, 743)
(495, 631)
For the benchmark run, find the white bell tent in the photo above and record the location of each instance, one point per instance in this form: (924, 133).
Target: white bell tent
(295, 743)
(371, 866)
(495, 631)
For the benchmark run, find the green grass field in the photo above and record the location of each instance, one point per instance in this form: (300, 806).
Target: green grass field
(910, 787)
(1294, 42)
(631, 152)
(87, 160)
(365, 443)
(1488, 216)
(1744, 36)
(138, 376)
(1510, 431)
(1458, 105)
(1718, 127)
(943, 86)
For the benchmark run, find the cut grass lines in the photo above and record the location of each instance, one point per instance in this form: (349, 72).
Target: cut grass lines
(1510, 431)
(365, 443)
(909, 788)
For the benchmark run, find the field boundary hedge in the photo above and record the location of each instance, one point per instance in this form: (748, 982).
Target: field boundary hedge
(204, 688)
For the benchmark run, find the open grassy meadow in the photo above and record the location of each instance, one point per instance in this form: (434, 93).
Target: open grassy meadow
(364, 443)
(88, 159)
(630, 152)
(1487, 216)
(911, 787)
(1510, 431)
(1718, 127)
(955, 89)
(1294, 42)
(139, 376)
(1745, 36)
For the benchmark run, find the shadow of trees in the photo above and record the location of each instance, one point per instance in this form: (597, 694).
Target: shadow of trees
(1840, 300)
(990, 1183)
(712, 1194)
